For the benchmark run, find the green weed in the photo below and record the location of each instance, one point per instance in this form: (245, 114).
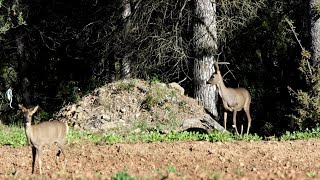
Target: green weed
(123, 175)
(300, 135)
(171, 169)
(311, 174)
(217, 176)
(127, 85)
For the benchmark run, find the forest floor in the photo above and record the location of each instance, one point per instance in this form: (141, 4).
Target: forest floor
(177, 160)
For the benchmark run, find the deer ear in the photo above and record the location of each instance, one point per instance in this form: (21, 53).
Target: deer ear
(23, 109)
(217, 67)
(35, 109)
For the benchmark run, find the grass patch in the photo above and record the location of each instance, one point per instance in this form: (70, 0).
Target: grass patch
(127, 85)
(313, 133)
(14, 136)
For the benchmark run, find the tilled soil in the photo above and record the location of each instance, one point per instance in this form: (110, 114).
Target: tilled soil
(178, 160)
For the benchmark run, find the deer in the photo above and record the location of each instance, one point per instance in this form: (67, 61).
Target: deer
(233, 99)
(45, 133)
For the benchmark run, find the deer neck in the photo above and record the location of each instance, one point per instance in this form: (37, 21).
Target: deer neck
(222, 89)
(28, 129)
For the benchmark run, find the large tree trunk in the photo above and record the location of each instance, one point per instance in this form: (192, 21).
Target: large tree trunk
(205, 40)
(111, 66)
(23, 82)
(125, 61)
(315, 31)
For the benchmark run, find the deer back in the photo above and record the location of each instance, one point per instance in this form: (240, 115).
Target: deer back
(48, 132)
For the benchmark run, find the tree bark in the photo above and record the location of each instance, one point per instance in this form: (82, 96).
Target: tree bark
(23, 82)
(315, 31)
(125, 61)
(205, 41)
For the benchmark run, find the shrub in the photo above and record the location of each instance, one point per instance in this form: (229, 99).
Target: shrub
(307, 111)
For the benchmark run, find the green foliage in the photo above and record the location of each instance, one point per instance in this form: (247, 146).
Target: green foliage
(69, 92)
(312, 174)
(155, 80)
(235, 15)
(155, 136)
(217, 176)
(111, 138)
(307, 111)
(40, 116)
(123, 175)
(85, 136)
(11, 15)
(313, 133)
(171, 169)
(12, 136)
(317, 7)
(127, 85)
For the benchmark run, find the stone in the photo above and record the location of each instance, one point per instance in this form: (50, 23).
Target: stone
(176, 86)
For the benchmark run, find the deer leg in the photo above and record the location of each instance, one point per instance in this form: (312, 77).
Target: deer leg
(58, 155)
(249, 120)
(235, 120)
(39, 152)
(225, 120)
(34, 153)
(61, 150)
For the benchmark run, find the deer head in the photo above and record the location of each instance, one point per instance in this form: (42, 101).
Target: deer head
(216, 78)
(28, 112)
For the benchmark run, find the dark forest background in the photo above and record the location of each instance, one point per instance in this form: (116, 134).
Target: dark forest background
(52, 52)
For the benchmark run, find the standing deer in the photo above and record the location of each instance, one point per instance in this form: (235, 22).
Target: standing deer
(233, 99)
(46, 133)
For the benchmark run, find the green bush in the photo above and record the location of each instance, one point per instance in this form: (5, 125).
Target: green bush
(307, 111)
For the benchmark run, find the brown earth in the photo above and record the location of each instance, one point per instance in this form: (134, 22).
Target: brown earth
(188, 160)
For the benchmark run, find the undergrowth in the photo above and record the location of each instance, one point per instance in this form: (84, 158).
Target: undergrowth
(307, 111)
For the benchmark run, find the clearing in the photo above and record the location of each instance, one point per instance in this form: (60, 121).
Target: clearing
(179, 160)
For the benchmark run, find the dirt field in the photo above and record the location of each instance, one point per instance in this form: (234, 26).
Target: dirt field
(188, 160)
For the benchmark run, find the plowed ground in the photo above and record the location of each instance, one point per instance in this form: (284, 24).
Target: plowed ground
(178, 160)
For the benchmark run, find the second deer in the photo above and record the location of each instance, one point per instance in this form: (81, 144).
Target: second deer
(233, 99)
(46, 133)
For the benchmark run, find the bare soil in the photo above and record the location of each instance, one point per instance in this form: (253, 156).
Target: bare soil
(188, 160)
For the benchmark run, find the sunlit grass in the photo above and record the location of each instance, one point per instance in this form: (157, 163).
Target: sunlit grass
(14, 136)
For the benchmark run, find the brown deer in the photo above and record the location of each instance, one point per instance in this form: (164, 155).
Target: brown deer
(233, 99)
(46, 133)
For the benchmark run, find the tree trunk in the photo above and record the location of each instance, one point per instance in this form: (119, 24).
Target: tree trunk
(23, 82)
(125, 61)
(205, 41)
(315, 31)
(112, 66)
